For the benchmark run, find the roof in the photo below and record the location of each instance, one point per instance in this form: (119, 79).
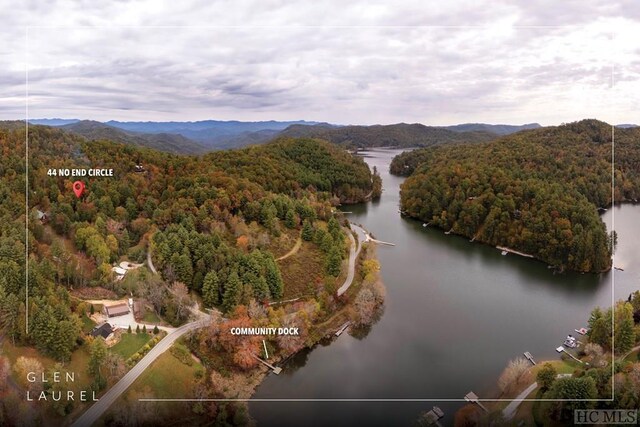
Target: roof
(41, 214)
(117, 309)
(103, 330)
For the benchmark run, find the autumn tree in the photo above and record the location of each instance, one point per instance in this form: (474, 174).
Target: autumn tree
(546, 376)
(98, 354)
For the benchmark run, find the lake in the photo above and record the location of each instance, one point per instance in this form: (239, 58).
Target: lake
(456, 313)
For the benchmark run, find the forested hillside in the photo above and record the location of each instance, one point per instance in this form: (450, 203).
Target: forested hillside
(213, 224)
(397, 135)
(536, 191)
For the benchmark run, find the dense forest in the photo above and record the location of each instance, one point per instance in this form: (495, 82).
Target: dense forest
(397, 135)
(212, 223)
(536, 191)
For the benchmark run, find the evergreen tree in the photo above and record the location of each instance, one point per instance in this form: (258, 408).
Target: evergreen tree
(129, 329)
(290, 219)
(274, 279)
(211, 289)
(137, 329)
(156, 331)
(334, 228)
(231, 291)
(98, 354)
(333, 262)
(144, 329)
(307, 231)
(624, 333)
(600, 327)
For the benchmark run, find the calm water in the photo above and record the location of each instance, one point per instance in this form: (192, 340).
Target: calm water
(456, 312)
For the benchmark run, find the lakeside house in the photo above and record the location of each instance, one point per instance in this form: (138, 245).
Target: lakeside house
(105, 331)
(116, 310)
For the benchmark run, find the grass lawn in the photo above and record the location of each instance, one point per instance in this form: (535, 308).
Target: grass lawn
(562, 366)
(150, 317)
(301, 271)
(87, 324)
(167, 377)
(130, 343)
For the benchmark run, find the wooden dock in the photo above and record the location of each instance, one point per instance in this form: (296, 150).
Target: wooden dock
(381, 242)
(513, 251)
(432, 416)
(562, 349)
(529, 357)
(342, 328)
(276, 370)
(471, 397)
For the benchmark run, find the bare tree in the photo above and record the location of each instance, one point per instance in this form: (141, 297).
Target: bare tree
(595, 354)
(256, 310)
(115, 366)
(290, 343)
(365, 305)
(30, 372)
(513, 373)
(181, 294)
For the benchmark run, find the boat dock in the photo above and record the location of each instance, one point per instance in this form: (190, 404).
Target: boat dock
(529, 357)
(471, 397)
(562, 349)
(343, 328)
(512, 251)
(433, 416)
(276, 370)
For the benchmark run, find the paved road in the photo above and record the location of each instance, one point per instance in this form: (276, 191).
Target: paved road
(512, 407)
(94, 412)
(353, 255)
(150, 262)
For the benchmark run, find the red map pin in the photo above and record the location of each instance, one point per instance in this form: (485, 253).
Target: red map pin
(78, 188)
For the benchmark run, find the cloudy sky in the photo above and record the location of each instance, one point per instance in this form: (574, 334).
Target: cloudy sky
(359, 62)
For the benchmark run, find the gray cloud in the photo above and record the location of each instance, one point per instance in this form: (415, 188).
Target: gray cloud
(355, 62)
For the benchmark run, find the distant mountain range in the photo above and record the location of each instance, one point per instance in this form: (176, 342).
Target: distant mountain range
(499, 129)
(171, 143)
(397, 135)
(207, 135)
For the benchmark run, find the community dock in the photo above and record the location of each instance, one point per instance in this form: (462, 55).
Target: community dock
(276, 370)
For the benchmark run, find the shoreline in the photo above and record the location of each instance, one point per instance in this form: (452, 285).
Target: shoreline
(559, 269)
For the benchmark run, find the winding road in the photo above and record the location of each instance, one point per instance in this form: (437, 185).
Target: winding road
(92, 414)
(353, 255)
